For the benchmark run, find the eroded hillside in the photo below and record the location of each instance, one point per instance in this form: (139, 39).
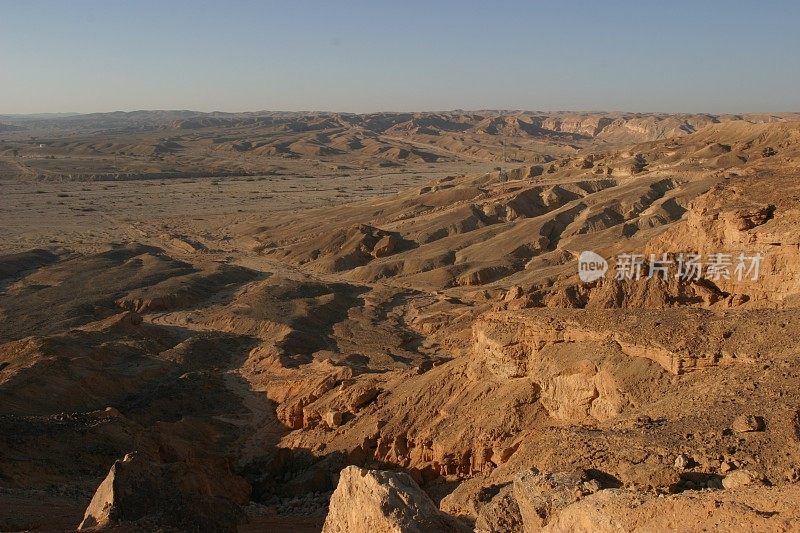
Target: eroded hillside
(145, 145)
(429, 356)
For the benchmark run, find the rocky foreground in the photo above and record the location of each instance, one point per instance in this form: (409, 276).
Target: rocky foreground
(427, 361)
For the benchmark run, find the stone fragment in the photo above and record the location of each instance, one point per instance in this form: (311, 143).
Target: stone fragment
(747, 423)
(333, 418)
(740, 478)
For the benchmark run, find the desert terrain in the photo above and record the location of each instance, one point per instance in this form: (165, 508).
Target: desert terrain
(363, 323)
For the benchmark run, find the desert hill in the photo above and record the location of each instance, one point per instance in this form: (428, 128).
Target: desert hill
(164, 144)
(264, 355)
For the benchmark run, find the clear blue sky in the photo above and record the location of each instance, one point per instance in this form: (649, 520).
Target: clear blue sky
(682, 56)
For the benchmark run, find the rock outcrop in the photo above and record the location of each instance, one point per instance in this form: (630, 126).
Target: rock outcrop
(375, 501)
(540, 496)
(513, 344)
(526, 502)
(186, 496)
(762, 509)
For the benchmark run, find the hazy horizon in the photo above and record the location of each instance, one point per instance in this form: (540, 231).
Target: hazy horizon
(443, 111)
(92, 56)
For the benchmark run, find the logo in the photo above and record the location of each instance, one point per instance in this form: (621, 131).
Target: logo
(591, 267)
(687, 267)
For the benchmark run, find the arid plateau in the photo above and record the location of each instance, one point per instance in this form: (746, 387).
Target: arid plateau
(377, 322)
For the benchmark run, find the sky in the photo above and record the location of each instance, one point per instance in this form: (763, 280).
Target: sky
(402, 55)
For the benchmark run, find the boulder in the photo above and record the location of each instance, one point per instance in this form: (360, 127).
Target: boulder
(333, 419)
(386, 245)
(740, 478)
(167, 495)
(377, 501)
(747, 423)
(541, 496)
